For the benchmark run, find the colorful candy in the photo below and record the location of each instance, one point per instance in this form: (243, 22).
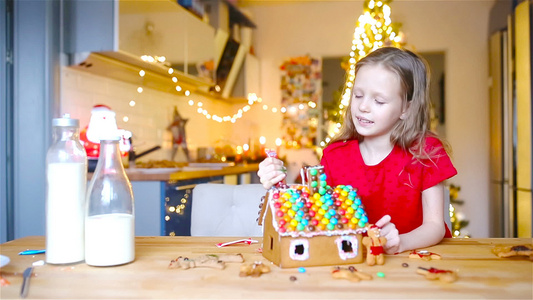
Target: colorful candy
(317, 206)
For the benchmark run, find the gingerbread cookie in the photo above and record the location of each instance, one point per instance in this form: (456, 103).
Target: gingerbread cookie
(437, 274)
(350, 274)
(510, 251)
(424, 255)
(254, 270)
(374, 243)
(206, 261)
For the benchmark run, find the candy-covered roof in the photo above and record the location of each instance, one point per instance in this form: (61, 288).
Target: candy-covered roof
(316, 208)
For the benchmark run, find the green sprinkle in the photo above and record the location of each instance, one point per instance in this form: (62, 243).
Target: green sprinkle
(380, 274)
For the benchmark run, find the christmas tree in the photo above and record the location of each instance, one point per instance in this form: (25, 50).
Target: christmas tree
(374, 29)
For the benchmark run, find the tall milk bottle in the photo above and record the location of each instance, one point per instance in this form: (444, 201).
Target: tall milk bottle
(110, 221)
(66, 181)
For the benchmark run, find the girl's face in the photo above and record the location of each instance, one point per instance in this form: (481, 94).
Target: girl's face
(376, 101)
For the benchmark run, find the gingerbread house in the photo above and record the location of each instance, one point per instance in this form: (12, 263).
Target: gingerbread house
(313, 224)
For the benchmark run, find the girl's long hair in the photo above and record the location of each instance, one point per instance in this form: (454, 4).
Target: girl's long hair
(411, 132)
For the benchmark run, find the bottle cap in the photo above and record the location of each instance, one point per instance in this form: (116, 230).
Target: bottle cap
(65, 121)
(111, 135)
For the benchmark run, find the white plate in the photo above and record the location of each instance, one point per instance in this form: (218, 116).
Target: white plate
(158, 170)
(4, 260)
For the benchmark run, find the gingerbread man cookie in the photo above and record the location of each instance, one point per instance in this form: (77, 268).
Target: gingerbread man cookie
(434, 274)
(374, 243)
(254, 270)
(510, 251)
(206, 261)
(424, 255)
(350, 274)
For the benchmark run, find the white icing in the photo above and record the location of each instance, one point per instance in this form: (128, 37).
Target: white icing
(355, 247)
(295, 256)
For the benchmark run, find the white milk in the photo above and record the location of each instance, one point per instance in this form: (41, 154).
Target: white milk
(65, 212)
(109, 239)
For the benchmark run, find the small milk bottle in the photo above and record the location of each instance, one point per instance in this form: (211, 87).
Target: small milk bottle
(66, 181)
(110, 221)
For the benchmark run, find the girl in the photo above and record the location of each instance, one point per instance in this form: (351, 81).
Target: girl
(386, 151)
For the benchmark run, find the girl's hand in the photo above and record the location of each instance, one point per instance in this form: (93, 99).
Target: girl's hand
(271, 171)
(389, 231)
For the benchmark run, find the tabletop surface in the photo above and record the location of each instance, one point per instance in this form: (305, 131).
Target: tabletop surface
(481, 274)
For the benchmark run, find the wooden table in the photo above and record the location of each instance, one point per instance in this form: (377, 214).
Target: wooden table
(481, 274)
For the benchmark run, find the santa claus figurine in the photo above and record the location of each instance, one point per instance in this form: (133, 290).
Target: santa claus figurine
(102, 120)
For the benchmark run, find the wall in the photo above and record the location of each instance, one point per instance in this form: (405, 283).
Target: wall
(457, 28)
(152, 113)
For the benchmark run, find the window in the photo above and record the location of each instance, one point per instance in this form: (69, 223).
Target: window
(299, 249)
(348, 246)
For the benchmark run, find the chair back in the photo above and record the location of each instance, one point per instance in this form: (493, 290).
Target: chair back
(447, 217)
(226, 210)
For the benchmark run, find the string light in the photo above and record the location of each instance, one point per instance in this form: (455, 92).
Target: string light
(252, 98)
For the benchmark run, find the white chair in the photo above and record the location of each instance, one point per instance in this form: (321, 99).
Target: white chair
(447, 218)
(226, 210)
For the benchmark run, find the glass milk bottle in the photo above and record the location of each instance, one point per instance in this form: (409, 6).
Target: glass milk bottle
(66, 180)
(110, 221)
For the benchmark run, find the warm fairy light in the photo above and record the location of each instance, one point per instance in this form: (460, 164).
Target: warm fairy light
(246, 147)
(252, 97)
(125, 119)
(239, 150)
(262, 140)
(278, 142)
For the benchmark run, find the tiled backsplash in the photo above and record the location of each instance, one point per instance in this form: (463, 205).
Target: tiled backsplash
(151, 114)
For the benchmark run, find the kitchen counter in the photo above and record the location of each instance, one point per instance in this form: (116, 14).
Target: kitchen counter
(185, 173)
(481, 274)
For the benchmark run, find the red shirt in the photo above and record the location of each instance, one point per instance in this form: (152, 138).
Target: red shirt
(392, 187)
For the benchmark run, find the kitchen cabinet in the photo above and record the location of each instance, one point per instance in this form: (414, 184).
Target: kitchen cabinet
(178, 203)
(109, 37)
